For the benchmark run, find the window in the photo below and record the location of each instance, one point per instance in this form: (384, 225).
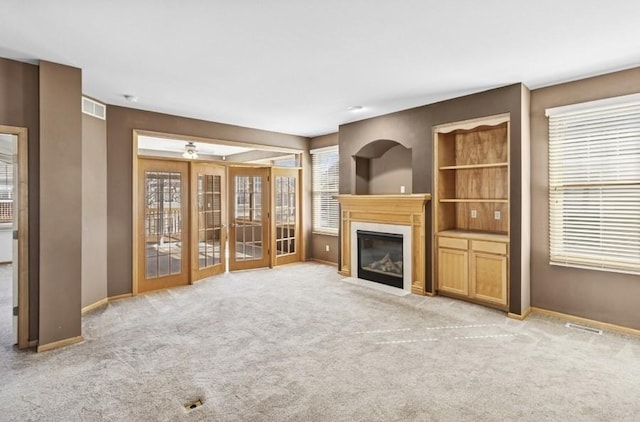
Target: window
(325, 174)
(594, 185)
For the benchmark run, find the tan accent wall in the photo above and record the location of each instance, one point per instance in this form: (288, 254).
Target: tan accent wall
(61, 201)
(94, 210)
(324, 141)
(413, 129)
(603, 296)
(390, 171)
(319, 242)
(121, 123)
(19, 103)
(319, 247)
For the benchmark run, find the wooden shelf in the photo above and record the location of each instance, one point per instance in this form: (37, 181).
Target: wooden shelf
(472, 188)
(491, 201)
(474, 166)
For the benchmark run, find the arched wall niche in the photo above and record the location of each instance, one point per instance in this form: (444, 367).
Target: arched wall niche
(383, 167)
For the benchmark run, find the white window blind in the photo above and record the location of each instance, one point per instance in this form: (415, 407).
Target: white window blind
(325, 175)
(594, 185)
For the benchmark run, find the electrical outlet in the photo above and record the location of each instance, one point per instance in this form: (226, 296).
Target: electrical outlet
(474, 214)
(326, 248)
(402, 190)
(497, 215)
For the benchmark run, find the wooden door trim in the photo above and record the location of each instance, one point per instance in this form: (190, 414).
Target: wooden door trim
(134, 215)
(23, 232)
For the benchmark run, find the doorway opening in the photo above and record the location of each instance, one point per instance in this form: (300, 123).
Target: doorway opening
(14, 283)
(203, 208)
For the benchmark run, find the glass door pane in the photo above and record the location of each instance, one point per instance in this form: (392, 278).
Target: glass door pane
(163, 224)
(209, 220)
(286, 212)
(248, 218)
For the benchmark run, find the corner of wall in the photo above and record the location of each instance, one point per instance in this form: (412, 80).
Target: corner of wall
(526, 200)
(94, 210)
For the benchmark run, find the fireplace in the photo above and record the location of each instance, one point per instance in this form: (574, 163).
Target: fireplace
(396, 214)
(380, 257)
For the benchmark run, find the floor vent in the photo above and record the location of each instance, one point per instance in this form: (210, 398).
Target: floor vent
(583, 328)
(193, 405)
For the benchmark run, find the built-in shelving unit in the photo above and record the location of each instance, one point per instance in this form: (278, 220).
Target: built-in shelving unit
(471, 212)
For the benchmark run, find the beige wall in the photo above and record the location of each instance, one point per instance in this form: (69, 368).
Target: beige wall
(602, 296)
(324, 141)
(319, 248)
(19, 107)
(121, 122)
(94, 210)
(319, 242)
(61, 201)
(389, 172)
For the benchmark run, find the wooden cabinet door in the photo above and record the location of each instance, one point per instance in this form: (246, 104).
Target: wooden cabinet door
(453, 271)
(489, 277)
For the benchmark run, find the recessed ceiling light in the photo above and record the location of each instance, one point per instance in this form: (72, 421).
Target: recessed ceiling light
(355, 109)
(131, 98)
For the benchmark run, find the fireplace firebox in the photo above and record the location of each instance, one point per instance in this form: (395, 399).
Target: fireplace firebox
(380, 258)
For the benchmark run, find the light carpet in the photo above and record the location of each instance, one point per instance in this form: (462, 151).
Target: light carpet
(296, 343)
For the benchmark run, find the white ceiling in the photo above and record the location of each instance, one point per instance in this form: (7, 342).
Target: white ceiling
(295, 66)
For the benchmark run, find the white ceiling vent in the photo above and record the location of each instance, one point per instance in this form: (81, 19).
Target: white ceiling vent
(94, 108)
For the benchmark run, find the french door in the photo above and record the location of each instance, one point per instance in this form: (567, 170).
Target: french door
(248, 217)
(163, 233)
(187, 210)
(286, 215)
(208, 229)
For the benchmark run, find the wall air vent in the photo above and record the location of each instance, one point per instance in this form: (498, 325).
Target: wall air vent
(94, 108)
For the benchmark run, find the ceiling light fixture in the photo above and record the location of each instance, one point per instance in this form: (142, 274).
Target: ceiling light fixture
(190, 151)
(355, 109)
